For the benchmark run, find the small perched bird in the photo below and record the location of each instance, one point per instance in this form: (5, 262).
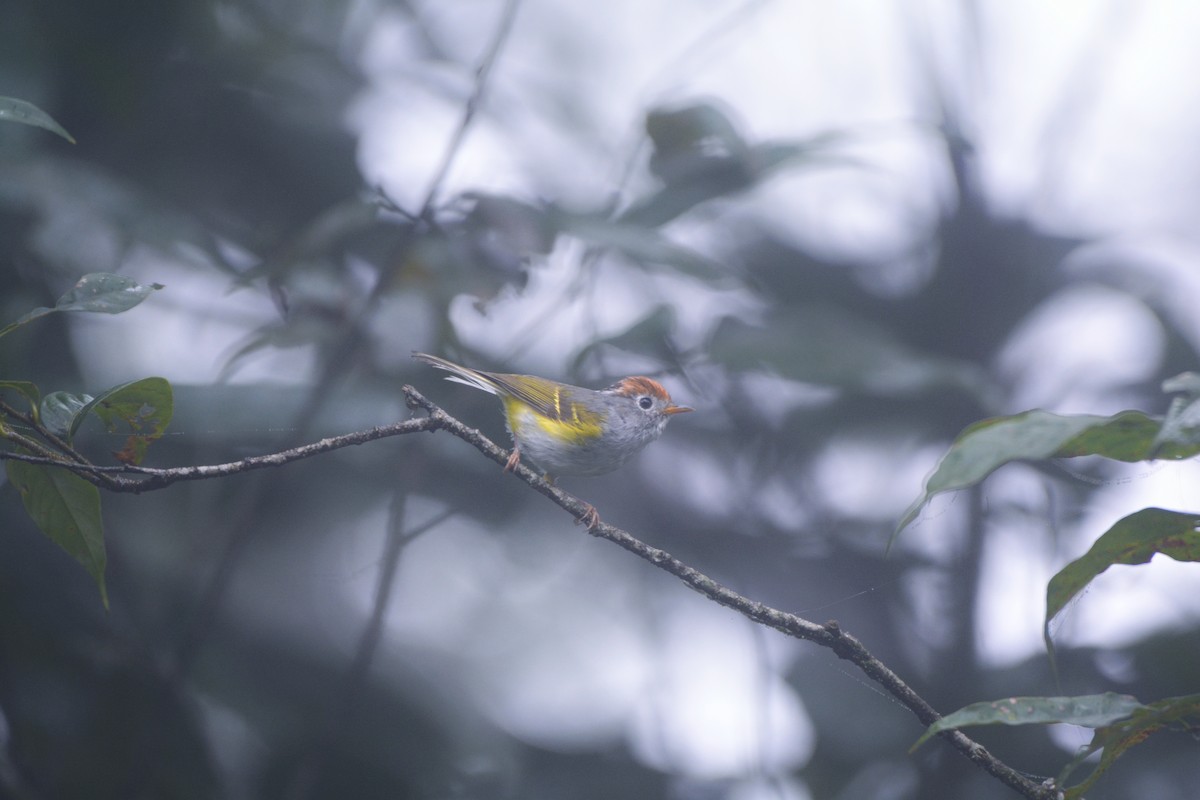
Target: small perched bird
(570, 430)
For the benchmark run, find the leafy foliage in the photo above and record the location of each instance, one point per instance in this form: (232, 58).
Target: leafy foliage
(64, 505)
(1120, 721)
(225, 154)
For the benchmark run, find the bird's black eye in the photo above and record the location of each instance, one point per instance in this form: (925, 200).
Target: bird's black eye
(645, 402)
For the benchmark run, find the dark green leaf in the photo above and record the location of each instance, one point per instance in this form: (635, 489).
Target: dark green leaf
(14, 110)
(145, 406)
(1133, 540)
(59, 410)
(66, 508)
(1089, 711)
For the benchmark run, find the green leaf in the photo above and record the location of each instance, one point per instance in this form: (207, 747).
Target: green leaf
(99, 292)
(1089, 711)
(146, 406)
(105, 293)
(66, 508)
(1132, 540)
(1181, 713)
(984, 447)
(1128, 436)
(1120, 722)
(59, 410)
(14, 110)
(30, 390)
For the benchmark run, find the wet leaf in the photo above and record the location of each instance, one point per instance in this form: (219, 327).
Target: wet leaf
(59, 411)
(99, 292)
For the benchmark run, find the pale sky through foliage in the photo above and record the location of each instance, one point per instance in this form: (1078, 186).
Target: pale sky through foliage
(1081, 117)
(841, 231)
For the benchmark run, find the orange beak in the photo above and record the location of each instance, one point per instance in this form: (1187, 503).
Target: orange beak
(676, 409)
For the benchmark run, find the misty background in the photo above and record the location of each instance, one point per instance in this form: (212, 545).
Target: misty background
(842, 232)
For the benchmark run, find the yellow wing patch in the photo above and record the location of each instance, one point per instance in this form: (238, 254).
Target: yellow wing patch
(578, 426)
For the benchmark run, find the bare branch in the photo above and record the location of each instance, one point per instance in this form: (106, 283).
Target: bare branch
(829, 634)
(150, 478)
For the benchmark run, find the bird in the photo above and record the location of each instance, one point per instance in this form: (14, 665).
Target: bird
(570, 430)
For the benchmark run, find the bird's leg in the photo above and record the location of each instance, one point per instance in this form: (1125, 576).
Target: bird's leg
(590, 518)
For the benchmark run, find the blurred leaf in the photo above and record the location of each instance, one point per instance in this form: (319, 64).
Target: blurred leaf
(145, 406)
(711, 177)
(304, 327)
(699, 155)
(523, 227)
(1088, 711)
(66, 508)
(100, 292)
(26, 388)
(1182, 425)
(14, 110)
(1132, 540)
(649, 335)
(1034, 435)
(640, 243)
(696, 128)
(833, 347)
(59, 411)
(1183, 382)
(322, 236)
(1181, 713)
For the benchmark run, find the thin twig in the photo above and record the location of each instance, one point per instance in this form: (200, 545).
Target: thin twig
(43, 431)
(482, 74)
(154, 478)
